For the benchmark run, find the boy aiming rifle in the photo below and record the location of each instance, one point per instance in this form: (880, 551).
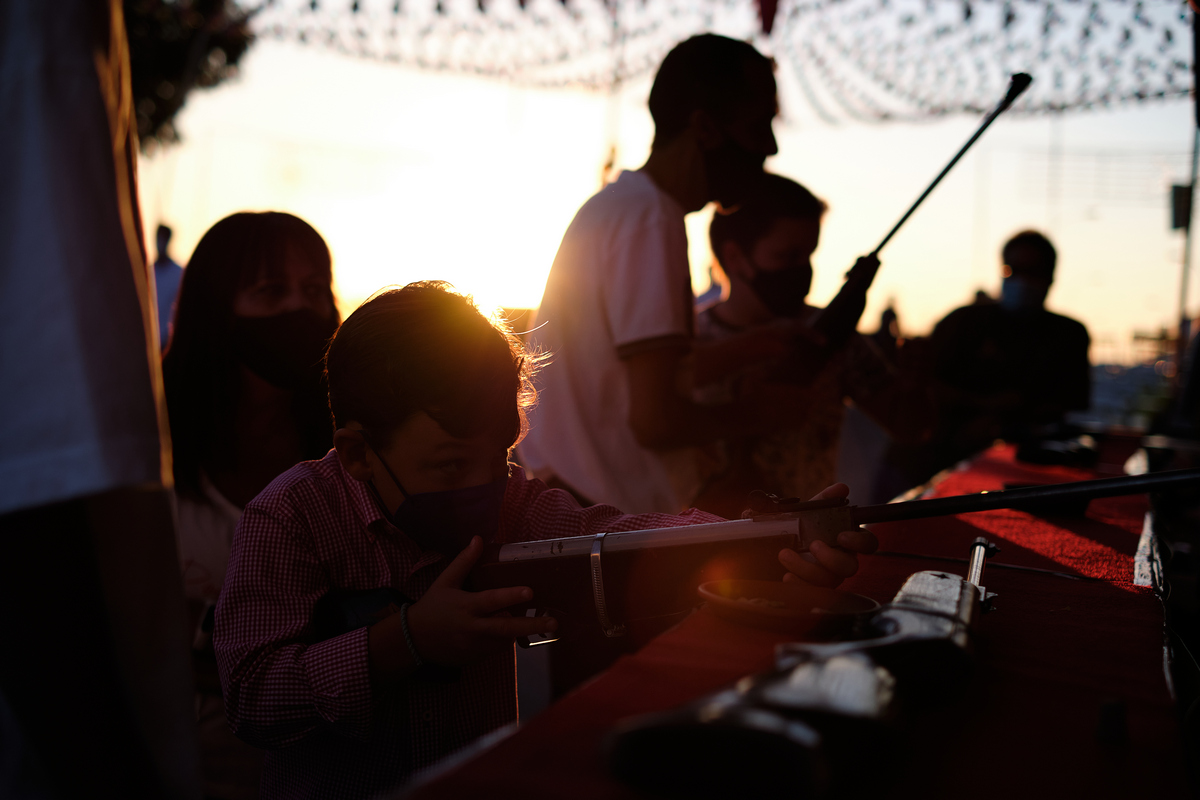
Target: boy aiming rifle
(346, 644)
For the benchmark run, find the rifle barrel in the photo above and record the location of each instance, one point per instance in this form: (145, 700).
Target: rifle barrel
(1015, 498)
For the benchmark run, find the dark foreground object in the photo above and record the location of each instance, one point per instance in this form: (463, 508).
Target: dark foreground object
(808, 726)
(1037, 718)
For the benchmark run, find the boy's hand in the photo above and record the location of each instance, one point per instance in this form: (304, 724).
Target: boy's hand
(828, 566)
(453, 627)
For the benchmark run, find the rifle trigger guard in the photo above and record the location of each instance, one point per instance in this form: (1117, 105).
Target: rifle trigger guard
(611, 630)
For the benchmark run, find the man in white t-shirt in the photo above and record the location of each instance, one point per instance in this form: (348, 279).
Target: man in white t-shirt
(616, 316)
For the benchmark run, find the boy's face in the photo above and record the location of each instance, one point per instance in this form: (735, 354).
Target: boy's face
(428, 459)
(424, 458)
(787, 245)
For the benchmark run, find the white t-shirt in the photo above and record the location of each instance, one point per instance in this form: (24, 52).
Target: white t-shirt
(620, 278)
(206, 527)
(81, 404)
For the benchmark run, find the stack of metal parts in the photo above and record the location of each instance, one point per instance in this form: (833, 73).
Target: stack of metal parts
(805, 728)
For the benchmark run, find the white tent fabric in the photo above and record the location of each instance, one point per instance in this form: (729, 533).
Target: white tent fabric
(866, 60)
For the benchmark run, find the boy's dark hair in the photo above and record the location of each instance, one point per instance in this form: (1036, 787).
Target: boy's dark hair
(1039, 254)
(427, 348)
(775, 198)
(706, 72)
(201, 372)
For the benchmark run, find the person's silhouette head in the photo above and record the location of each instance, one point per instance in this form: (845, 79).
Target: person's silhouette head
(162, 240)
(765, 247)
(249, 271)
(717, 96)
(1029, 260)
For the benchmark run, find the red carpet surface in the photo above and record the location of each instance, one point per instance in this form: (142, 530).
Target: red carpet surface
(1054, 656)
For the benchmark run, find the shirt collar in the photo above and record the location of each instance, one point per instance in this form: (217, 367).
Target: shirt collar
(361, 499)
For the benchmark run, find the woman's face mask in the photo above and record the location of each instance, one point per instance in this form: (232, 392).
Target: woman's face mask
(285, 350)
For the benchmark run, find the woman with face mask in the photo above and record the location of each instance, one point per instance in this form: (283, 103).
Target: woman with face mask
(246, 401)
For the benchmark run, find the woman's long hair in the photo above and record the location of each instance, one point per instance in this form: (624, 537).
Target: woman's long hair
(201, 373)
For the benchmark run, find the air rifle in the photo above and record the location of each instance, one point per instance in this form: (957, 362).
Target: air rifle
(614, 578)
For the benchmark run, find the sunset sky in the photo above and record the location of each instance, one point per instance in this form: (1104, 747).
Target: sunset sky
(413, 175)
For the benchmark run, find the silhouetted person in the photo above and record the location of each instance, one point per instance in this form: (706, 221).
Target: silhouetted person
(93, 643)
(617, 312)
(1004, 369)
(887, 335)
(246, 402)
(765, 250)
(167, 275)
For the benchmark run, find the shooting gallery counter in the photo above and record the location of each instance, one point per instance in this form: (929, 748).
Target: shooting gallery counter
(1068, 699)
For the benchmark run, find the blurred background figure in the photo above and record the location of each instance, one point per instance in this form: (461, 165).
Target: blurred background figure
(93, 647)
(765, 250)
(246, 397)
(887, 336)
(612, 425)
(167, 275)
(1003, 369)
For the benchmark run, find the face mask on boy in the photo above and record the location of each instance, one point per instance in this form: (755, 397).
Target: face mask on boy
(284, 350)
(445, 521)
(782, 291)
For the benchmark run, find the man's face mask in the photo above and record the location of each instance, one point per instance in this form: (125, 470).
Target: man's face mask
(284, 350)
(783, 291)
(1021, 294)
(732, 172)
(446, 521)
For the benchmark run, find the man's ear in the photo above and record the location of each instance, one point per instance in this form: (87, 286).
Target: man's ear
(705, 129)
(351, 448)
(735, 263)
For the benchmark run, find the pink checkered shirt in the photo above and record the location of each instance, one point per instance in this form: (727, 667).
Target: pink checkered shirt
(311, 704)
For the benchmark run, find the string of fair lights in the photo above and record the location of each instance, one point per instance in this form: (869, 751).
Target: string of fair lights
(862, 60)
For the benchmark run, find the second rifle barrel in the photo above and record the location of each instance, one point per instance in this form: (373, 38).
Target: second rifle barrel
(1016, 498)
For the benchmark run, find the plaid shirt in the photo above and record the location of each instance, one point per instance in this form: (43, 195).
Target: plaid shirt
(311, 703)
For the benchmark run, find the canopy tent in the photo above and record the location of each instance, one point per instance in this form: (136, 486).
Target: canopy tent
(863, 60)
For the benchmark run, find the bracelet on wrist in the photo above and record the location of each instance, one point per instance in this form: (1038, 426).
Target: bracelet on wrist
(408, 640)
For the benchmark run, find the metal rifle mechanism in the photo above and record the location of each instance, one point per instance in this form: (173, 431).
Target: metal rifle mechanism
(616, 579)
(807, 728)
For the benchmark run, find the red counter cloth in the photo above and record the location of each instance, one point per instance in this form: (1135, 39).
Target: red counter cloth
(1047, 659)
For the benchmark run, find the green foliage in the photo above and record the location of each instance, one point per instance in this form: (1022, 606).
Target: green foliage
(175, 46)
